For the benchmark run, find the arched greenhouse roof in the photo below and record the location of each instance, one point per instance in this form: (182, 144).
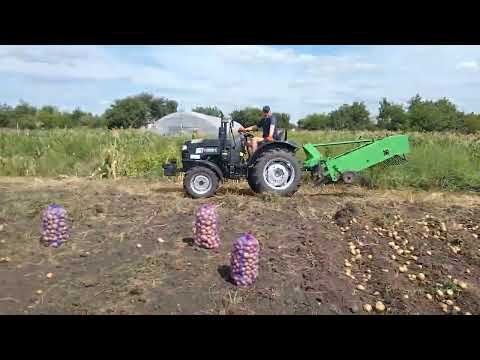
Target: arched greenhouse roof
(186, 122)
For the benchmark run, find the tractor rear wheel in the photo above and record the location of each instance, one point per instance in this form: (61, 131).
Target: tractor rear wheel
(200, 182)
(277, 171)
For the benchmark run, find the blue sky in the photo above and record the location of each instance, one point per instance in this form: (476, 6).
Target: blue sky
(294, 79)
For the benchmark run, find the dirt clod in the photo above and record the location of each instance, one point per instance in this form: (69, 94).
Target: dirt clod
(344, 215)
(136, 291)
(99, 209)
(89, 281)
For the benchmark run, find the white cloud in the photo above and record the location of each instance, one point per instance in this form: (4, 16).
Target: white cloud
(468, 65)
(236, 76)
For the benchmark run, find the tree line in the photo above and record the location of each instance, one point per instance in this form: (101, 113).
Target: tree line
(131, 112)
(26, 116)
(143, 109)
(418, 115)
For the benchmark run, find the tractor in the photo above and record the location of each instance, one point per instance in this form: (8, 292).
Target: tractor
(208, 162)
(274, 167)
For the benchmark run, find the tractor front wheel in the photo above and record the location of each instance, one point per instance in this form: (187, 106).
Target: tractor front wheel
(277, 171)
(200, 182)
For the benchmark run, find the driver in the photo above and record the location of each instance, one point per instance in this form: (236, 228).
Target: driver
(268, 123)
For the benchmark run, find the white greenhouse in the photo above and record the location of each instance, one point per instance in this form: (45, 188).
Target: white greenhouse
(185, 123)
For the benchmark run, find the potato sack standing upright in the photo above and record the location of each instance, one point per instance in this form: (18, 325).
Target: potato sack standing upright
(244, 260)
(206, 227)
(55, 226)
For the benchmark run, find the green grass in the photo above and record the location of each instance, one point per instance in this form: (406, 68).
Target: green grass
(438, 161)
(84, 152)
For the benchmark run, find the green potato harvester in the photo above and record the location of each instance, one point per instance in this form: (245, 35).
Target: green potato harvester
(390, 150)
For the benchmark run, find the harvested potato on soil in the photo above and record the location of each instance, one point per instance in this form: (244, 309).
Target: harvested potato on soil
(379, 306)
(367, 307)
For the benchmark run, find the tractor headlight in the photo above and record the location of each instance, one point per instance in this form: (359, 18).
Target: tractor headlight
(184, 147)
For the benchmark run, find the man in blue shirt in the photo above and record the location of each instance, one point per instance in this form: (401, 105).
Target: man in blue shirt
(268, 124)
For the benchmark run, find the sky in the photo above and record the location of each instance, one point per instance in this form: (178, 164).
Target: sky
(295, 79)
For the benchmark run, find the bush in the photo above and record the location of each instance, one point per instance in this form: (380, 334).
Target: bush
(472, 123)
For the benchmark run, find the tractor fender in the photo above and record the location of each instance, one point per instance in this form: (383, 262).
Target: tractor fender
(208, 164)
(284, 145)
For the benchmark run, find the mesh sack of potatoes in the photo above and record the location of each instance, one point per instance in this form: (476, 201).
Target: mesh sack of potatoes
(206, 227)
(244, 260)
(55, 226)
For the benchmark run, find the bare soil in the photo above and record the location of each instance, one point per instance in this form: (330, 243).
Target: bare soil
(308, 243)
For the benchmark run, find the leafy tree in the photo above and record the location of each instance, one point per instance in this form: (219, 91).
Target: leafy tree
(76, 116)
(6, 114)
(283, 120)
(434, 116)
(472, 123)
(209, 110)
(137, 111)
(92, 121)
(48, 109)
(128, 113)
(49, 117)
(247, 117)
(314, 122)
(392, 116)
(451, 117)
(354, 117)
(252, 115)
(24, 108)
(159, 106)
(416, 100)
